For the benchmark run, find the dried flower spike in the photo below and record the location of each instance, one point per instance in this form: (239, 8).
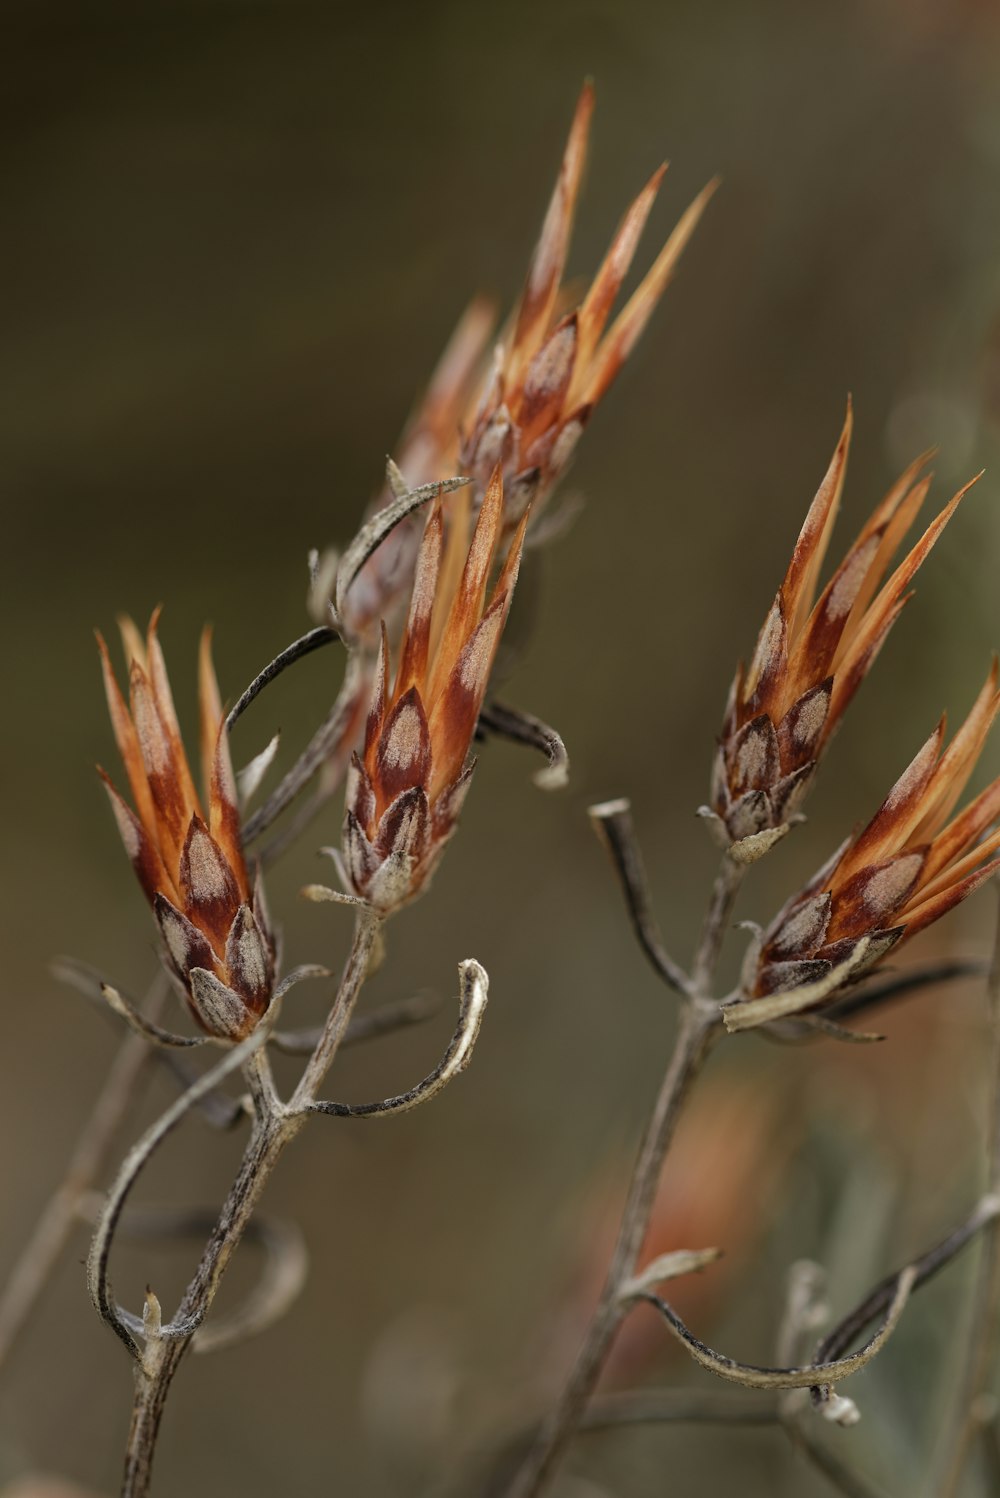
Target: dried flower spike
(813, 653)
(527, 409)
(556, 366)
(910, 865)
(191, 867)
(405, 794)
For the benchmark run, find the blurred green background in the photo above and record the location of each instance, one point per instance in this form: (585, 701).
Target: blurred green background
(235, 238)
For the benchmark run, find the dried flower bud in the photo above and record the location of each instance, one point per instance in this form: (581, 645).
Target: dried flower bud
(813, 653)
(556, 366)
(910, 865)
(404, 795)
(191, 866)
(527, 408)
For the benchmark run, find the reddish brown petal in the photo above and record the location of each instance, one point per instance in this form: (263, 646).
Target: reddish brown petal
(157, 670)
(380, 692)
(596, 306)
(467, 607)
(787, 793)
(891, 826)
(142, 851)
(360, 857)
(959, 760)
(210, 707)
(963, 831)
(247, 961)
(187, 946)
(128, 743)
(402, 831)
(939, 904)
(453, 717)
(210, 893)
(871, 898)
(546, 383)
(801, 729)
(799, 587)
(415, 647)
(403, 752)
(957, 871)
(359, 794)
(753, 759)
(224, 811)
(545, 274)
(767, 667)
(630, 323)
(851, 673)
(803, 930)
(448, 806)
(890, 522)
(885, 607)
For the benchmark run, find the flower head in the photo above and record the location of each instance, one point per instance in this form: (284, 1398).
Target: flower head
(555, 366)
(527, 409)
(405, 792)
(910, 865)
(190, 863)
(813, 652)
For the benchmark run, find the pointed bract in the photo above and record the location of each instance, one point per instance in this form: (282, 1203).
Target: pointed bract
(813, 653)
(191, 869)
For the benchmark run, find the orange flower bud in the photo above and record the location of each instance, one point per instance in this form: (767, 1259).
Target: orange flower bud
(813, 653)
(405, 792)
(909, 866)
(190, 865)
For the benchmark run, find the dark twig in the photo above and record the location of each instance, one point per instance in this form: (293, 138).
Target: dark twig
(754, 1376)
(472, 1005)
(522, 728)
(332, 732)
(876, 1302)
(305, 645)
(904, 985)
(612, 821)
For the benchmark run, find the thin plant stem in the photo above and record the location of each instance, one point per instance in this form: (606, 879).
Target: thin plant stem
(700, 1025)
(275, 1125)
(984, 1325)
(696, 1033)
(727, 886)
(38, 1259)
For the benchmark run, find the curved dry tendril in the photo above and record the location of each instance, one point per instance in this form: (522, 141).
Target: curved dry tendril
(374, 531)
(523, 728)
(474, 988)
(122, 1323)
(875, 1303)
(281, 1280)
(752, 1376)
(324, 634)
(612, 822)
(323, 742)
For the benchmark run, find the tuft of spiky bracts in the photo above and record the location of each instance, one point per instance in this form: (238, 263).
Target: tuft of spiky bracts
(813, 653)
(189, 862)
(556, 365)
(405, 792)
(527, 408)
(909, 866)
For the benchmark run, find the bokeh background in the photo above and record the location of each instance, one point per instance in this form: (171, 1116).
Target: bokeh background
(235, 238)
